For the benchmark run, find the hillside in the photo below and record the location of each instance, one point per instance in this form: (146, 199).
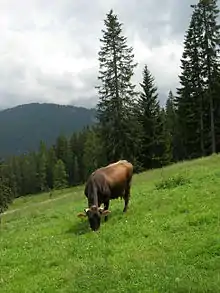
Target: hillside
(22, 127)
(167, 242)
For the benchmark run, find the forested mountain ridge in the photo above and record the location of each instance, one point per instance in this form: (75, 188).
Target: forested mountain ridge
(24, 126)
(131, 124)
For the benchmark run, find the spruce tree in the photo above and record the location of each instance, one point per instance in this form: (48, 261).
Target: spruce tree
(6, 194)
(77, 142)
(190, 103)
(210, 41)
(42, 167)
(80, 146)
(115, 109)
(93, 152)
(62, 148)
(171, 126)
(165, 150)
(32, 180)
(60, 175)
(8, 171)
(51, 162)
(197, 99)
(76, 173)
(151, 121)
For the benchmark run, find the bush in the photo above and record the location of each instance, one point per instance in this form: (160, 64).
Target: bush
(172, 182)
(6, 195)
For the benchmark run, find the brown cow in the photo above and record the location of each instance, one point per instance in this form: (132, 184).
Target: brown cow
(104, 184)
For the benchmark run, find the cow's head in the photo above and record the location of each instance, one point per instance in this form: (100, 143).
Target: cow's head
(94, 215)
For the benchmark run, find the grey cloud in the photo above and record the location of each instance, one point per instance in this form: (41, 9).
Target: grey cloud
(55, 82)
(8, 100)
(83, 21)
(180, 17)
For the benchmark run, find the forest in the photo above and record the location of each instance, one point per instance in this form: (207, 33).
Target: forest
(48, 121)
(131, 124)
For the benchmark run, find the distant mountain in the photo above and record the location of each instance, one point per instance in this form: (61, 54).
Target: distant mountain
(22, 127)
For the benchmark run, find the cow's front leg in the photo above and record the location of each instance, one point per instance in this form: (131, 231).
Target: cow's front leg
(106, 205)
(126, 197)
(126, 205)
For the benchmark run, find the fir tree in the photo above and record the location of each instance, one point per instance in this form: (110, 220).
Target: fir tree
(92, 152)
(115, 109)
(69, 163)
(76, 173)
(196, 100)
(8, 171)
(42, 167)
(60, 176)
(62, 148)
(171, 126)
(32, 181)
(152, 123)
(79, 152)
(165, 150)
(6, 194)
(51, 162)
(190, 104)
(210, 41)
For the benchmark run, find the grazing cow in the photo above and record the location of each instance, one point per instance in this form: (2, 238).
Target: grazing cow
(104, 184)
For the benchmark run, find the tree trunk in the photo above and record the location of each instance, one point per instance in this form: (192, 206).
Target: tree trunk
(202, 127)
(212, 123)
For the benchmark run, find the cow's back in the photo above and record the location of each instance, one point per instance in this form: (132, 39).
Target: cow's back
(117, 173)
(109, 182)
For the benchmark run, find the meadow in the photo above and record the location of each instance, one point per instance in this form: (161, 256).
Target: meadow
(168, 241)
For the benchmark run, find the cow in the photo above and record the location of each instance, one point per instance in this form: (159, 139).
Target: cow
(104, 184)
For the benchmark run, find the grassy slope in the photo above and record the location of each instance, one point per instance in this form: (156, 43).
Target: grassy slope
(167, 242)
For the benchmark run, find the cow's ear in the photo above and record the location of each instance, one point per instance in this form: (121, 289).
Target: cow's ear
(81, 215)
(105, 213)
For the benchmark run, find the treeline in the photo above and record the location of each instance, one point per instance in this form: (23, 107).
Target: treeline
(64, 164)
(198, 97)
(131, 124)
(70, 160)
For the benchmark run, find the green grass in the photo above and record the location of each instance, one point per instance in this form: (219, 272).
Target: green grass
(168, 241)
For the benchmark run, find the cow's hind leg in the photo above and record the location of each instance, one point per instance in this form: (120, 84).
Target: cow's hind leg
(127, 196)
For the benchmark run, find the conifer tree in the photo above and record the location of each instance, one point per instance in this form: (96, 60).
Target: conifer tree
(16, 166)
(60, 175)
(6, 194)
(115, 109)
(190, 103)
(165, 147)
(42, 167)
(77, 142)
(151, 121)
(197, 100)
(8, 171)
(62, 148)
(51, 162)
(76, 173)
(34, 182)
(210, 41)
(171, 125)
(93, 151)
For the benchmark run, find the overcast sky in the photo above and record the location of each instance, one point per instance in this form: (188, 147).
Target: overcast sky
(49, 49)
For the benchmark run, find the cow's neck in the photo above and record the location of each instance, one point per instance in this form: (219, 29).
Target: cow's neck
(93, 197)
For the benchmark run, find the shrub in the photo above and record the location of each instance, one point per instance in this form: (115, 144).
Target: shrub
(172, 182)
